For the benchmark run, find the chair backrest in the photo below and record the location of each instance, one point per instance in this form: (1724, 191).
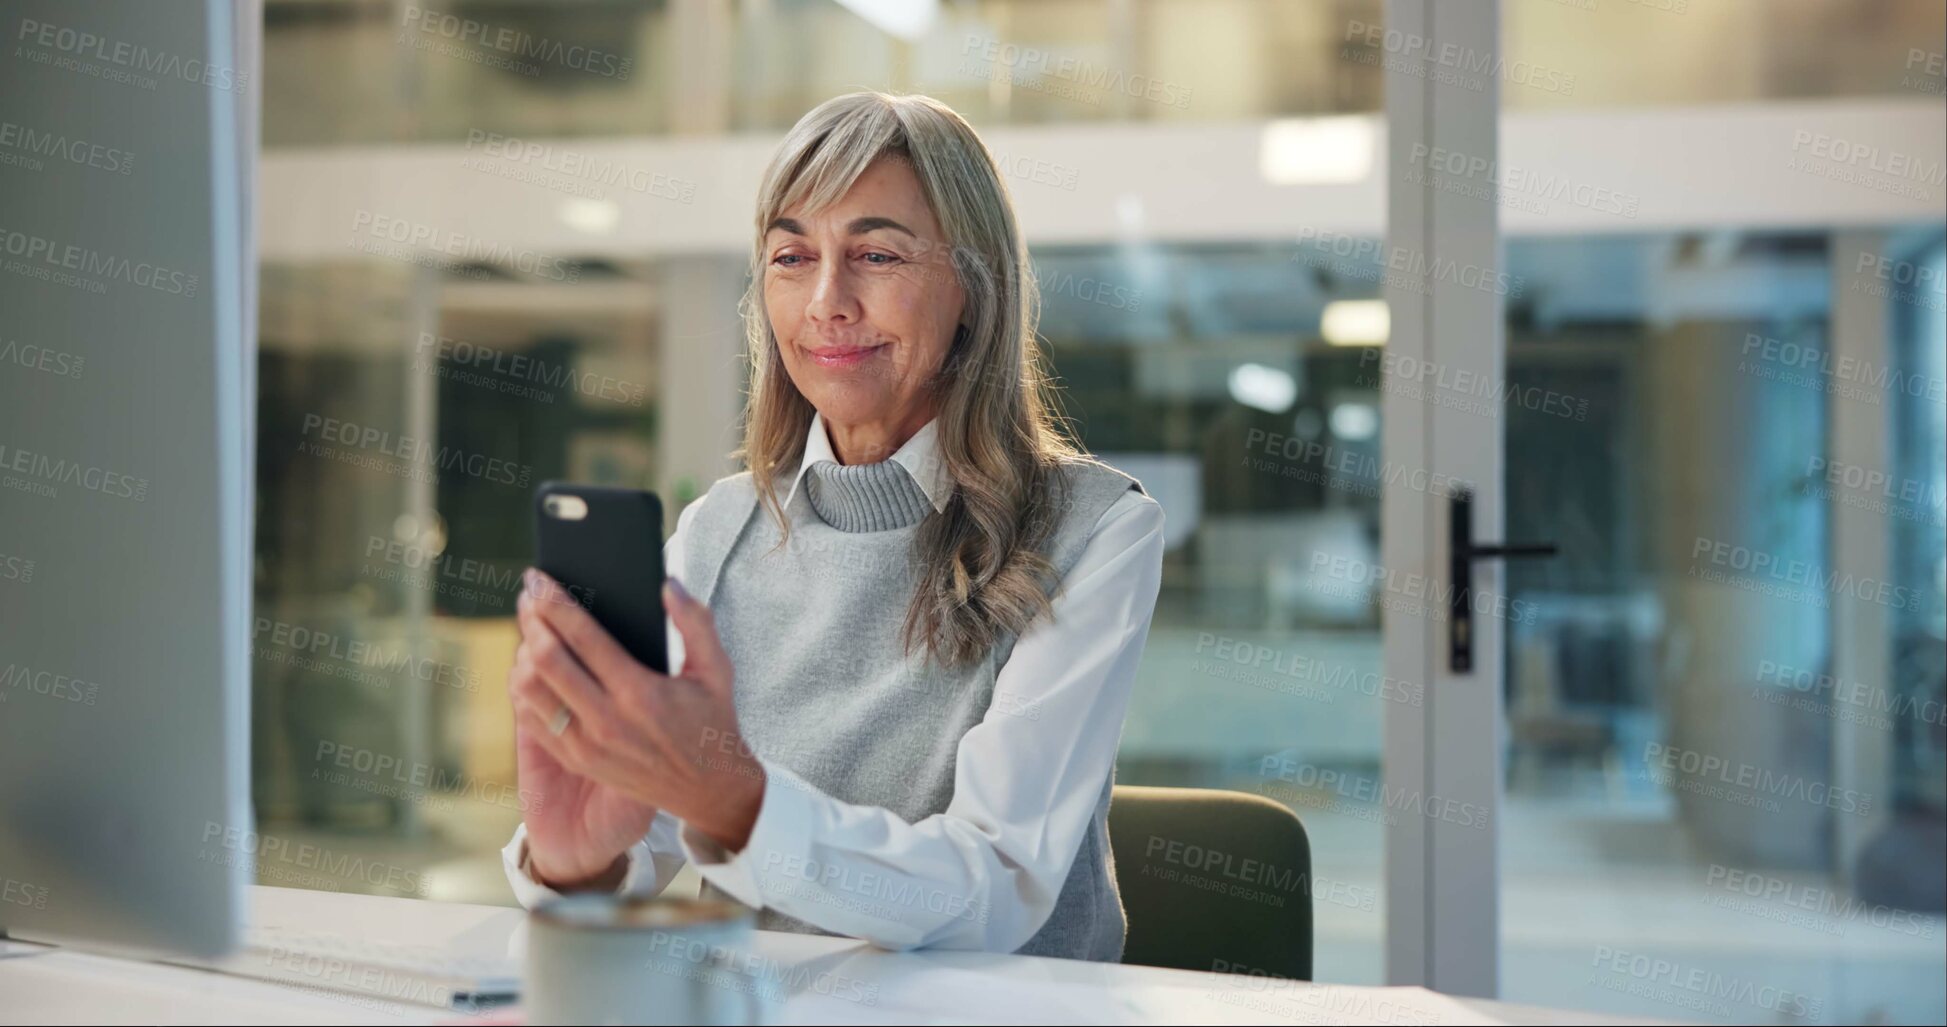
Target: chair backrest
(1212, 880)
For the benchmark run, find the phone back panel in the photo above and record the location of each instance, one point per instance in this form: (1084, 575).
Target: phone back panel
(611, 560)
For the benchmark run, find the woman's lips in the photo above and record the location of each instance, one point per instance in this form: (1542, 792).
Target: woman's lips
(841, 356)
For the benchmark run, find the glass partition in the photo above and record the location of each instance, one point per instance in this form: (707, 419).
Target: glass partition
(1712, 811)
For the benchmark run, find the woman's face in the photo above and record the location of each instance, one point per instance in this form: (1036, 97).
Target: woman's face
(864, 300)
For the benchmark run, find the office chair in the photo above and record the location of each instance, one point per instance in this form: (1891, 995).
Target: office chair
(1212, 880)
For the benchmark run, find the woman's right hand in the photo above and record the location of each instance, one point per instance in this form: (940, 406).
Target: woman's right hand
(577, 828)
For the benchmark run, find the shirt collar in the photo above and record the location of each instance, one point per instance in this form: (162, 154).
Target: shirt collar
(920, 456)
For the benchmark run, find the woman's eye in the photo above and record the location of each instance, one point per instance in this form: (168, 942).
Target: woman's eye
(786, 260)
(880, 259)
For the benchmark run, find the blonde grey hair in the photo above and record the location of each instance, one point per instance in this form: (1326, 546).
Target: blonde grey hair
(983, 574)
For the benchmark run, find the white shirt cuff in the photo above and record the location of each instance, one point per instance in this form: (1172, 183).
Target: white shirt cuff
(641, 876)
(779, 841)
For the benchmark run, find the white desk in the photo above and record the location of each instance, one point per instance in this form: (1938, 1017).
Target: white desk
(842, 981)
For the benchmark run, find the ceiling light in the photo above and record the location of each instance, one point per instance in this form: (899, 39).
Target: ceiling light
(1266, 388)
(596, 217)
(1355, 323)
(1315, 151)
(907, 19)
(1355, 422)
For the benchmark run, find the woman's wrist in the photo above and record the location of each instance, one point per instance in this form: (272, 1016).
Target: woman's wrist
(731, 814)
(607, 879)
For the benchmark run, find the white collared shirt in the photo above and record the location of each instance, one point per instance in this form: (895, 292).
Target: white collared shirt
(1025, 788)
(920, 456)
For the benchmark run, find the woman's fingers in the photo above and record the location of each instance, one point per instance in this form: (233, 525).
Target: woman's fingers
(632, 730)
(532, 721)
(703, 655)
(591, 643)
(617, 767)
(610, 760)
(561, 674)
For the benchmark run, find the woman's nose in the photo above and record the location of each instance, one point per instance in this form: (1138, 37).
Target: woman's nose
(832, 297)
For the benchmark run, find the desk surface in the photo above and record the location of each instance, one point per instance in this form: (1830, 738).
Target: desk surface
(827, 980)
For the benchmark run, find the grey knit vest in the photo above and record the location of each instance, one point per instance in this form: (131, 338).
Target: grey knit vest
(824, 687)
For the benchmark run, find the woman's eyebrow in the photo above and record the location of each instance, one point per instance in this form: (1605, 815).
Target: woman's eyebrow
(858, 226)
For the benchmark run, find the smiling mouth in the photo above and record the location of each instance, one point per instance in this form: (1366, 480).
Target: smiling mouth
(841, 356)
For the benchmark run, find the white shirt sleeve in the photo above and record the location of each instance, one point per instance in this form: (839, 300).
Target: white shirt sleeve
(653, 863)
(658, 857)
(985, 874)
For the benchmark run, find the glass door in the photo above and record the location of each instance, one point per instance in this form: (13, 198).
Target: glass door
(1680, 337)
(1720, 739)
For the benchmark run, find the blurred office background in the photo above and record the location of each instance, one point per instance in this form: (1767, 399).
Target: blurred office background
(503, 242)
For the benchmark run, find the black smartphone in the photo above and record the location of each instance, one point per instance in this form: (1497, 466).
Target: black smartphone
(605, 546)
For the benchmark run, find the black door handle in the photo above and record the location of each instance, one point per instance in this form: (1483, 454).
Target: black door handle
(1463, 551)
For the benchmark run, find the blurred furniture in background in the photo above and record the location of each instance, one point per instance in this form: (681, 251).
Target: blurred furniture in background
(1581, 683)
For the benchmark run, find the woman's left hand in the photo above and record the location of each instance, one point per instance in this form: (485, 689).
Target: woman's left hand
(670, 741)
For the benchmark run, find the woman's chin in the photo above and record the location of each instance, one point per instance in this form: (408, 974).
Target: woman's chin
(852, 402)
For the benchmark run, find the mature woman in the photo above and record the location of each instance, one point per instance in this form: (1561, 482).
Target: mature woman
(907, 632)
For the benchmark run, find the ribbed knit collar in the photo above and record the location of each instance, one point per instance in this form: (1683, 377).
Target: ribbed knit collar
(876, 496)
(865, 497)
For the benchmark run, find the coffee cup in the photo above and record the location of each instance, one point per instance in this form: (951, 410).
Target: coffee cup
(609, 959)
